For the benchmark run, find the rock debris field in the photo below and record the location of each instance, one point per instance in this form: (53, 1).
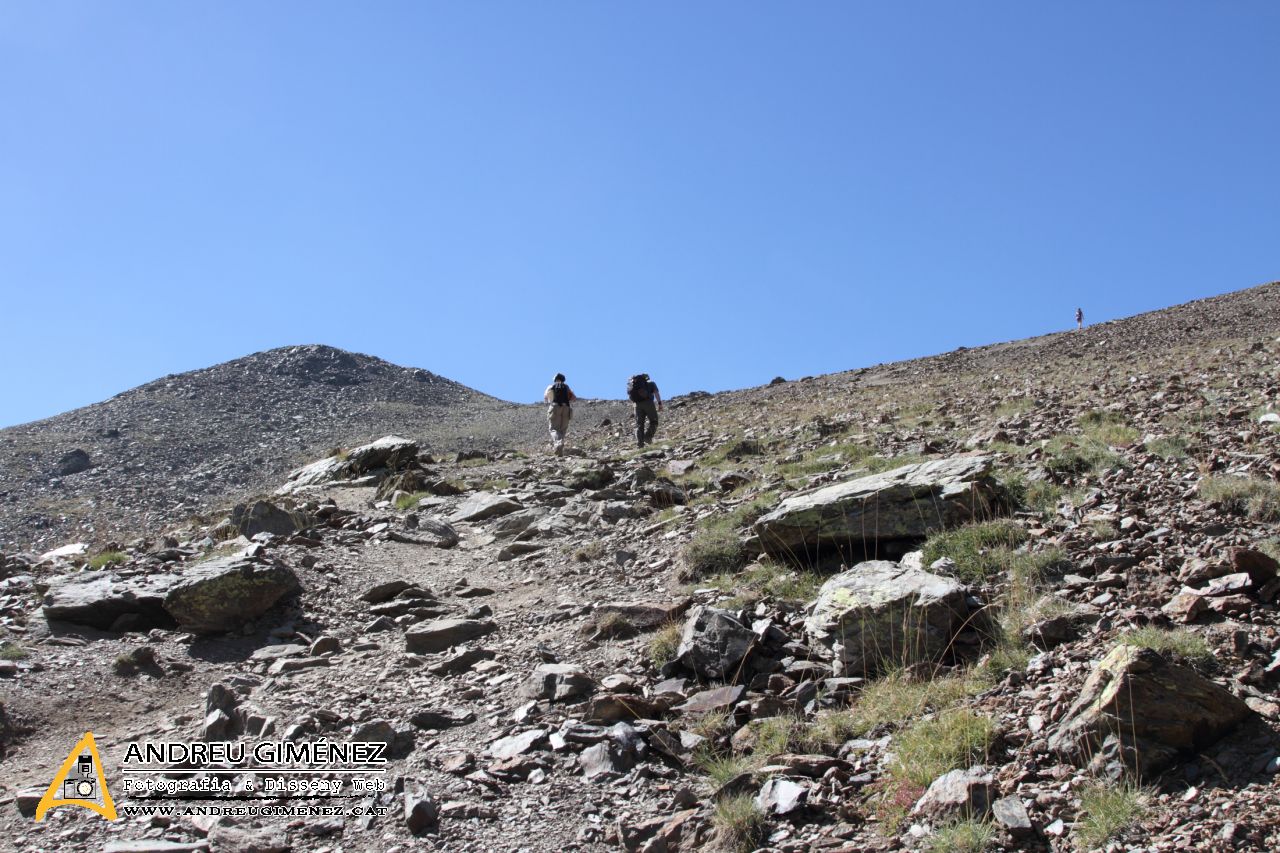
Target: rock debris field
(1016, 597)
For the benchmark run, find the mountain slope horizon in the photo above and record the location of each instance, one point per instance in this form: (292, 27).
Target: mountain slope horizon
(190, 443)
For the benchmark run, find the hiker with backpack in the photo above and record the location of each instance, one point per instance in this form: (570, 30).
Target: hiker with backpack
(559, 395)
(644, 393)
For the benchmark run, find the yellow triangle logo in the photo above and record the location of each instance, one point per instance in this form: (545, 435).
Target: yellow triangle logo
(80, 782)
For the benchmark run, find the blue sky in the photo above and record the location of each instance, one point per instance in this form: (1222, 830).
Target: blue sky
(715, 193)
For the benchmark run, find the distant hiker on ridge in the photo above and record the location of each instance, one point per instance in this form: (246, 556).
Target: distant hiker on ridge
(644, 393)
(559, 395)
(1079, 318)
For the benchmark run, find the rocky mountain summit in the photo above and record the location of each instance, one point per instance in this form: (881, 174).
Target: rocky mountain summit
(1021, 597)
(188, 444)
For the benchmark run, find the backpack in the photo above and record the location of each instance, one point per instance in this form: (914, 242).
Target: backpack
(560, 394)
(638, 388)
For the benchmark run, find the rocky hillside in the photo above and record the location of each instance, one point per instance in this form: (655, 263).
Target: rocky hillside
(190, 443)
(1019, 597)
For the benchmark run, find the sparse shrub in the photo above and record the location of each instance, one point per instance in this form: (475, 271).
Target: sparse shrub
(766, 579)
(719, 766)
(1108, 428)
(979, 550)
(951, 740)
(966, 836)
(107, 558)
(612, 625)
(407, 502)
(593, 550)
(663, 645)
(1006, 657)
(891, 699)
(1107, 809)
(10, 650)
(740, 822)
(710, 725)
(1103, 530)
(1169, 447)
(339, 452)
(714, 550)
(1067, 455)
(879, 464)
(1252, 496)
(1180, 644)
(1041, 496)
(134, 660)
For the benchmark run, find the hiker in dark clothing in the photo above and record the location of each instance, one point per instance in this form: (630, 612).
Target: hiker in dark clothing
(643, 391)
(559, 396)
(1079, 318)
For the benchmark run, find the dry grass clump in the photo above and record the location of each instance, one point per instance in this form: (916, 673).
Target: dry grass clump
(1105, 809)
(1252, 496)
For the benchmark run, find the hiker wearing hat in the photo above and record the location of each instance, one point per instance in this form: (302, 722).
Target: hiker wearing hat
(643, 391)
(559, 396)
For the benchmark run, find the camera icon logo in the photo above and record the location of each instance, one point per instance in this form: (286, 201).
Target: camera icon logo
(82, 785)
(80, 781)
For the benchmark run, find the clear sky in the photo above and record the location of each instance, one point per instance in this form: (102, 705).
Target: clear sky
(715, 193)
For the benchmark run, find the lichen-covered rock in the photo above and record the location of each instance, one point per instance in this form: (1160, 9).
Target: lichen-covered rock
(883, 514)
(389, 452)
(880, 614)
(224, 593)
(1138, 711)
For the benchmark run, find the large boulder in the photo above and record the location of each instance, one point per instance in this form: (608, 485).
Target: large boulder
(442, 634)
(881, 515)
(557, 682)
(224, 593)
(391, 452)
(483, 505)
(1137, 711)
(73, 463)
(266, 517)
(879, 615)
(387, 453)
(106, 601)
(714, 643)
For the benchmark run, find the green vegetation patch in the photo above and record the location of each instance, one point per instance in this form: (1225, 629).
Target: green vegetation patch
(107, 558)
(1180, 644)
(952, 740)
(663, 644)
(739, 822)
(966, 836)
(407, 502)
(1252, 496)
(1107, 809)
(980, 551)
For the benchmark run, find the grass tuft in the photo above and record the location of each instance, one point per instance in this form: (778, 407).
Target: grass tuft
(1252, 496)
(951, 740)
(107, 558)
(739, 822)
(663, 645)
(980, 551)
(1181, 644)
(714, 550)
(407, 502)
(10, 650)
(1105, 810)
(966, 836)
